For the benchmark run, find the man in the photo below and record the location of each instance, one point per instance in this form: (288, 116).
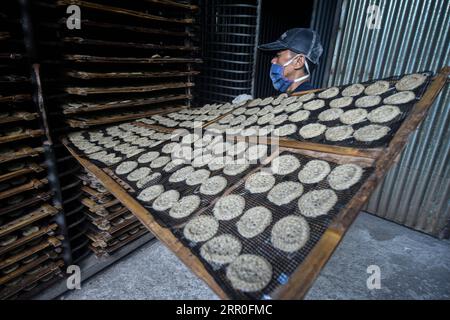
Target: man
(298, 54)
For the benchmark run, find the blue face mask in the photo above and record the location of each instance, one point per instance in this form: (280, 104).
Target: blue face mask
(279, 81)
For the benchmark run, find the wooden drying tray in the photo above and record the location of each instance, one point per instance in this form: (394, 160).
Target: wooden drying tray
(19, 116)
(129, 45)
(302, 279)
(44, 211)
(31, 167)
(111, 249)
(109, 26)
(53, 267)
(83, 91)
(49, 229)
(4, 35)
(87, 122)
(15, 98)
(50, 242)
(90, 107)
(32, 184)
(125, 12)
(97, 59)
(41, 197)
(24, 135)
(130, 75)
(21, 153)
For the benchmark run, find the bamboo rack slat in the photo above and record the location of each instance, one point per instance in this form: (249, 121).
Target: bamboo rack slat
(174, 4)
(83, 91)
(129, 75)
(19, 116)
(107, 25)
(21, 153)
(44, 211)
(32, 167)
(90, 107)
(52, 241)
(33, 184)
(126, 12)
(42, 231)
(85, 123)
(41, 197)
(137, 45)
(25, 135)
(156, 60)
(16, 98)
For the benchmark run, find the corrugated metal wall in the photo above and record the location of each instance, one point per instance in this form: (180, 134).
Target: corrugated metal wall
(414, 35)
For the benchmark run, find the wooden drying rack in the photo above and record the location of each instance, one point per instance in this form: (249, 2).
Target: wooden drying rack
(300, 281)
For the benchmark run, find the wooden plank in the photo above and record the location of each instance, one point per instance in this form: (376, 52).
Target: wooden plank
(32, 167)
(85, 123)
(41, 197)
(174, 4)
(21, 136)
(19, 116)
(15, 98)
(125, 12)
(44, 211)
(163, 234)
(155, 60)
(21, 153)
(130, 28)
(19, 242)
(302, 279)
(33, 184)
(91, 107)
(129, 75)
(137, 45)
(83, 91)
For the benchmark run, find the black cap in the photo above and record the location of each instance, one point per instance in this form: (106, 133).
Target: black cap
(298, 40)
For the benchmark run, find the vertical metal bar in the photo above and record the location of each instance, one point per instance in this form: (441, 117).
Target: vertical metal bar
(30, 44)
(255, 54)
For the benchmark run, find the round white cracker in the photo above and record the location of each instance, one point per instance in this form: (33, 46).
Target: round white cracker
(249, 273)
(285, 130)
(233, 168)
(150, 193)
(284, 192)
(126, 167)
(339, 133)
(147, 157)
(197, 177)
(317, 202)
(314, 104)
(354, 116)
(200, 228)
(314, 171)
(400, 97)
(410, 82)
(213, 185)
(329, 93)
(299, 116)
(284, 164)
(254, 221)
(377, 88)
(342, 102)
(330, 114)
(259, 182)
(290, 233)
(185, 206)
(166, 200)
(221, 249)
(159, 162)
(229, 207)
(138, 174)
(367, 101)
(312, 130)
(384, 114)
(256, 152)
(353, 90)
(152, 177)
(344, 176)
(181, 174)
(372, 132)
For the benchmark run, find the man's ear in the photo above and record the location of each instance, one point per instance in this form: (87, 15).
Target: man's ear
(299, 62)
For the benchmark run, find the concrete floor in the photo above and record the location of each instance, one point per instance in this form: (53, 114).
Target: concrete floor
(412, 265)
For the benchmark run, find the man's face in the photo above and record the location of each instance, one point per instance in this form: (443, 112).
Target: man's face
(283, 57)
